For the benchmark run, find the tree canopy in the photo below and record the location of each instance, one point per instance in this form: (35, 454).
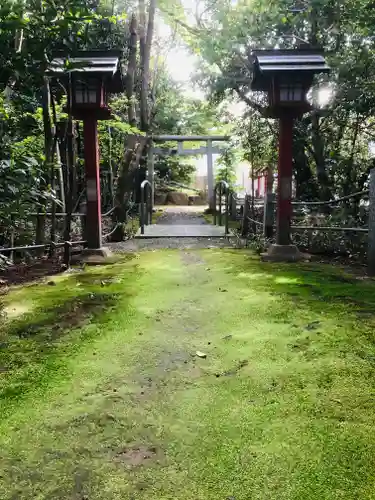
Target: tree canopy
(331, 144)
(41, 150)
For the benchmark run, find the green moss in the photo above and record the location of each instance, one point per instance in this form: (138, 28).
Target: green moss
(232, 224)
(282, 406)
(132, 225)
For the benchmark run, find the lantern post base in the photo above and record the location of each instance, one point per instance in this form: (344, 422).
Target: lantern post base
(284, 253)
(96, 255)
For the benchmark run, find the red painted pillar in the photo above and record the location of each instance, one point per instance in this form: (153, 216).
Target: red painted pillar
(93, 213)
(284, 185)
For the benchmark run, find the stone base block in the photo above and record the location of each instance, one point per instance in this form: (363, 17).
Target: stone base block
(284, 253)
(96, 255)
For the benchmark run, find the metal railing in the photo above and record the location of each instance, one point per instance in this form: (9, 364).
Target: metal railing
(222, 188)
(66, 245)
(145, 209)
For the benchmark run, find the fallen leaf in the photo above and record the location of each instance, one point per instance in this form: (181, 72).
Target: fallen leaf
(313, 325)
(201, 354)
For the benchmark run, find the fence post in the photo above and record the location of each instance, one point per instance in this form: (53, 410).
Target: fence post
(12, 239)
(83, 211)
(227, 211)
(214, 204)
(233, 206)
(220, 203)
(269, 214)
(245, 220)
(67, 253)
(371, 225)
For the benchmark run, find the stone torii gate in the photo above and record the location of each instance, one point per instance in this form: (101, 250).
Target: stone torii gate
(209, 149)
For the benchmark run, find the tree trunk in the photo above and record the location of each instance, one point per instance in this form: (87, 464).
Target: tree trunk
(126, 184)
(145, 42)
(48, 151)
(71, 182)
(132, 66)
(110, 179)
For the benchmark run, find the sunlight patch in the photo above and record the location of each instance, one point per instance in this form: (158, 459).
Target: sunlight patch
(284, 279)
(253, 275)
(15, 310)
(146, 310)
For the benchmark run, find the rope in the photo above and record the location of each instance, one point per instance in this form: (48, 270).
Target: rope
(255, 221)
(329, 228)
(110, 211)
(319, 203)
(45, 245)
(113, 230)
(331, 202)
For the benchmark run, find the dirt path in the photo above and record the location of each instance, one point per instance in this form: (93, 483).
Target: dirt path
(175, 215)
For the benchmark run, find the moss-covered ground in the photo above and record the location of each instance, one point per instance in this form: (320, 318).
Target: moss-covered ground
(103, 398)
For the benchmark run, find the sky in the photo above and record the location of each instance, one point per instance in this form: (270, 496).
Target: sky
(181, 64)
(180, 61)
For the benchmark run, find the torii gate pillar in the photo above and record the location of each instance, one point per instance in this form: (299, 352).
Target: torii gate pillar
(210, 175)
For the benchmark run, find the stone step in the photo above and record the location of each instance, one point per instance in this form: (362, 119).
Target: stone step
(182, 231)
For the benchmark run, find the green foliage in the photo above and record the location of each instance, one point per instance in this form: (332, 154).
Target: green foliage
(177, 114)
(257, 243)
(172, 168)
(30, 33)
(227, 167)
(331, 148)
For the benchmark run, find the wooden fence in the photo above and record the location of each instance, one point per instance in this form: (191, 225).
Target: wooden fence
(244, 210)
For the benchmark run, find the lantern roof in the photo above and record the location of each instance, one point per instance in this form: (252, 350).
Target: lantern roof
(91, 63)
(300, 64)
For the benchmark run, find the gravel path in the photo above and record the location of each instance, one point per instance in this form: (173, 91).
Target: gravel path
(179, 216)
(178, 243)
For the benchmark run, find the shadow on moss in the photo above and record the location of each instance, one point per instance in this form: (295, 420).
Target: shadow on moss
(36, 347)
(62, 318)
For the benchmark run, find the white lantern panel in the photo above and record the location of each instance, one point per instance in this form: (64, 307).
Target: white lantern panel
(92, 96)
(297, 94)
(284, 94)
(85, 93)
(290, 93)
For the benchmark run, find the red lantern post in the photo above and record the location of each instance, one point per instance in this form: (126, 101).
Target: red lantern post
(284, 187)
(286, 75)
(93, 214)
(93, 75)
